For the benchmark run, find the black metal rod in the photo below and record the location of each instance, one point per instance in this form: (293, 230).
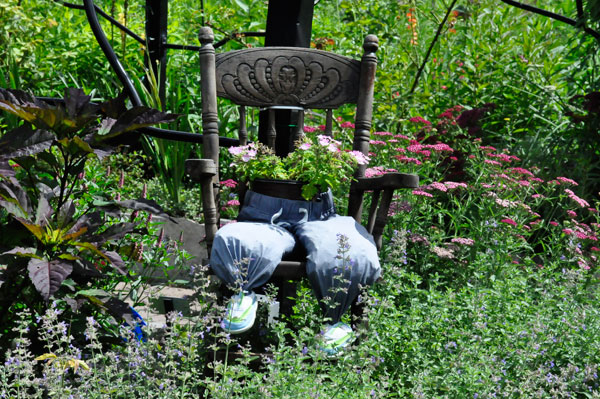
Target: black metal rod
(106, 16)
(108, 51)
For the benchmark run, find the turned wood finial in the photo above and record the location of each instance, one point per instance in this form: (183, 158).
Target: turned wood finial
(371, 44)
(206, 35)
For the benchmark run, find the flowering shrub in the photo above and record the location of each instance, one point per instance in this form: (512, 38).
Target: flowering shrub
(318, 161)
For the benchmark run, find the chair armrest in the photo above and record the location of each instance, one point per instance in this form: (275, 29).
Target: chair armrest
(204, 171)
(390, 180)
(198, 169)
(383, 187)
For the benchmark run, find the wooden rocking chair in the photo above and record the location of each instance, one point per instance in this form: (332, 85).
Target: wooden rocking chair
(296, 79)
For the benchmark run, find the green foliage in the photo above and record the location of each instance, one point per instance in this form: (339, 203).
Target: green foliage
(318, 162)
(42, 163)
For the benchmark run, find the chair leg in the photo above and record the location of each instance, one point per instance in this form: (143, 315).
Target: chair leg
(286, 295)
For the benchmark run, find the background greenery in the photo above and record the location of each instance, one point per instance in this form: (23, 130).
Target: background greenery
(511, 313)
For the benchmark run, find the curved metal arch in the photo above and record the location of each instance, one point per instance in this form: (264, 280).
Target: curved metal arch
(123, 76)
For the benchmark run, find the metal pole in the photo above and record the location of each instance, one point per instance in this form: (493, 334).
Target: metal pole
(289, 23)
(156, 34)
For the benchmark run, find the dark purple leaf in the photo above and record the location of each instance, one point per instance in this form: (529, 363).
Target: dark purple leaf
(14, 199)
(44, 211)
(115, 107)
(117, 308)
(20, 251)
(75, 304)
(24, 141)
(77, 103)
(47, 276)
(65, 213)
(113, 232)
(136, 118)
(116, 261)
(6, 170)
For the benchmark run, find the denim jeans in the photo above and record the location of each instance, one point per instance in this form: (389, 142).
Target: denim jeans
(247, 252)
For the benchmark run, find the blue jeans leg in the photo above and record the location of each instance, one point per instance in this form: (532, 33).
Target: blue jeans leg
(246, 253)
(357, 261)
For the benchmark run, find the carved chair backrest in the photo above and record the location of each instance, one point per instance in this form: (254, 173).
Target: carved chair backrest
(290, 78)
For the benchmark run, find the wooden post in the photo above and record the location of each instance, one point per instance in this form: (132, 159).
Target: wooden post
(210, 130)
(364, 114)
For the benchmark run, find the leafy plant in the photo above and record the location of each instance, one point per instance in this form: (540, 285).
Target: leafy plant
(318, 162)
(49, 238)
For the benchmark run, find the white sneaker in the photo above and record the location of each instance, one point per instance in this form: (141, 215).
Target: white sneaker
(336, 338)
(241, 313)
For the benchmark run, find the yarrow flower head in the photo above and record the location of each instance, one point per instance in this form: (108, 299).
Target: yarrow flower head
(579, 201)
(422, 193)
(509, 221)
(463, 241)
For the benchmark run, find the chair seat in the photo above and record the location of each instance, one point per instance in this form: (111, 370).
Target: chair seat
(290, 269)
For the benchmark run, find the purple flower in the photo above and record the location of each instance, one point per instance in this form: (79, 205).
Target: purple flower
(304, 350)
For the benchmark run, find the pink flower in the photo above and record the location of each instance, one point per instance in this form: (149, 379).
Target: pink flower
(383, 134)
(346, 125)
(538, 196)
(374, 171)
(309, 129)
(401, 136)
(509, 221)
(418, 119)
(492, 162)
(305, 146)
(229, 183)
(233, 202)
(422, 193)
(581, 202)
(567, 180)
(443, 252)
(571, 214)
(377, 142)
(414, 147)
(406, 159)
(437, 186)
(426, 153)
(249, 155)
(521, 171)
(553, 223)
(595, 249)
(236, 150)
(439, 147)
(463, 241)
(361, 158)
(567, 231)
(524, 183)
(324, 140)
(452, 185)
(487, 148)
(400, 150)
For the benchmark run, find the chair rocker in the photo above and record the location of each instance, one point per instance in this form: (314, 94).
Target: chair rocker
(295, 79)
